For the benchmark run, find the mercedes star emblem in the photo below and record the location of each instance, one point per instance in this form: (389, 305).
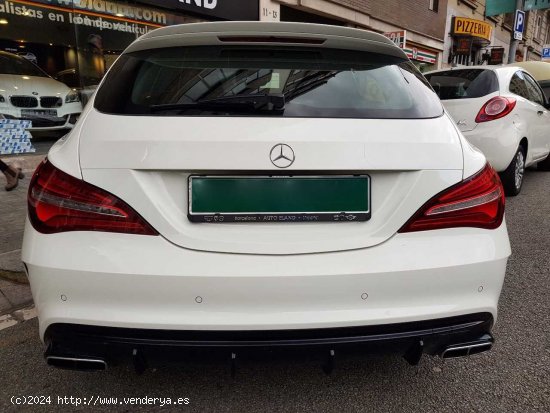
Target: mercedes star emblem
(282, 155)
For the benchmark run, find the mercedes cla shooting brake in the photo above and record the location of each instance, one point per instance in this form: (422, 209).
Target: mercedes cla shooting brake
(241, 186)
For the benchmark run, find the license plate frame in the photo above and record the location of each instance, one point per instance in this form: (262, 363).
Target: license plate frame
(355, 215)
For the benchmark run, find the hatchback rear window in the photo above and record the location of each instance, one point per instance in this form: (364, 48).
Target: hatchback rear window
(274, 81)
(463, 83)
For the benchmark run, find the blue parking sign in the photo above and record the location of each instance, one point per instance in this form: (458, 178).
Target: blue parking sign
(546, 52)
(519, 24)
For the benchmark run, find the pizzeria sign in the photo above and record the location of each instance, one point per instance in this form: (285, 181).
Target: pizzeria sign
(464, 26)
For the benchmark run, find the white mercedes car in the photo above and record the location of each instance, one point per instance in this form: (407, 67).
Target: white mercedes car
(241, 186)
(26, 92)
(504, 112)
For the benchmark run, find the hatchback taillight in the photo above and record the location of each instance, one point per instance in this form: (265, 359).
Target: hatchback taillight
(59, 202)
(475, 202)
(495, 108)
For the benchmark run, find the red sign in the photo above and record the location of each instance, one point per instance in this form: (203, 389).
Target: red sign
(497, 56)
(463, 45)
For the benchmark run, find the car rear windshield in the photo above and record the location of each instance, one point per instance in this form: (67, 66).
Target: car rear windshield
(16, 65)
(260, 81)
(463, 83)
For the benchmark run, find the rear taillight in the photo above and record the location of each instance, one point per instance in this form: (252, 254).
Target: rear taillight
(59, 202)
(475, 202)
(495, 108)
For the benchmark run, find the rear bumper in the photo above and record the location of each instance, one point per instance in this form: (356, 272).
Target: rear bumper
(115, 344)
(147, 283)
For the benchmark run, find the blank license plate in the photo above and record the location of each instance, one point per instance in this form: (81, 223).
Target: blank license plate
(279, 199)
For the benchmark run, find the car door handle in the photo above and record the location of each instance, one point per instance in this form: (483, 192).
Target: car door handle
(540, 113)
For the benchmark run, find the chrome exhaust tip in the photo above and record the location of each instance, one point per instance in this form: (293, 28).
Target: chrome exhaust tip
(468, 349)
(76, 363)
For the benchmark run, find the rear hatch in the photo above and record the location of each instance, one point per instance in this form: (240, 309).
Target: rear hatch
(162, 116)
(464, 92)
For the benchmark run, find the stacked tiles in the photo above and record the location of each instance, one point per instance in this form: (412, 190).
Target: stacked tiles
(14, 138)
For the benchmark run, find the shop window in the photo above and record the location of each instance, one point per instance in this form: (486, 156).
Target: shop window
(289, 14)
(76, 42)
(470, 3)
(434, 5)
(538, 27)
(508, 22)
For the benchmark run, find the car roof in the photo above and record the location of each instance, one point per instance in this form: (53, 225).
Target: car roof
(488, 67)
(262, 33)
(496, 68)
(539, 70)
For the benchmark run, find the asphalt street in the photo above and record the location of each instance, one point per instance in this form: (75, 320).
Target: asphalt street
(513, 377)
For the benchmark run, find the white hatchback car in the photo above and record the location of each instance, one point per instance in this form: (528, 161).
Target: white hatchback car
(245, 185)
(502, 111)
(26, 92)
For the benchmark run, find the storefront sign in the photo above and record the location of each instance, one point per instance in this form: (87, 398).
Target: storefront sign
(219, 9)
(398, 37)
(463, 46)
(270, 11)
(55, 22)
(471, 27)
(421, 55)
(497, 56)
(88, 13)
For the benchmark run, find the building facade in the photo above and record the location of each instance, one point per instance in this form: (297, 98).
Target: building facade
(76, 41)
(471, 38)
(416, 26)
(537, 34)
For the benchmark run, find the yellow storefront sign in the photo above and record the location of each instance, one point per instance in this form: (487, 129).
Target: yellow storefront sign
(464, 26)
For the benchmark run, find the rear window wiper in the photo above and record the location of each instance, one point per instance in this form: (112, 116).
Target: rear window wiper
(277, 100)
(237, 103)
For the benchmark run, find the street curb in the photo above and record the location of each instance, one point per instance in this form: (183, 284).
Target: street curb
(24, 313)
(13, 276)
(27, 162)
(10, 262)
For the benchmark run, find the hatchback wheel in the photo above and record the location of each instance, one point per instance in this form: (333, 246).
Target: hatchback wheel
(512, 177)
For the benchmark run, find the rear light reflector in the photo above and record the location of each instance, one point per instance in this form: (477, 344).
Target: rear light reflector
(495, 108)
(271, 39)
(59, 202)
(475, 202)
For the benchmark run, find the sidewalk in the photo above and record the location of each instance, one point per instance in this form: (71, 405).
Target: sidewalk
(15, 293)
